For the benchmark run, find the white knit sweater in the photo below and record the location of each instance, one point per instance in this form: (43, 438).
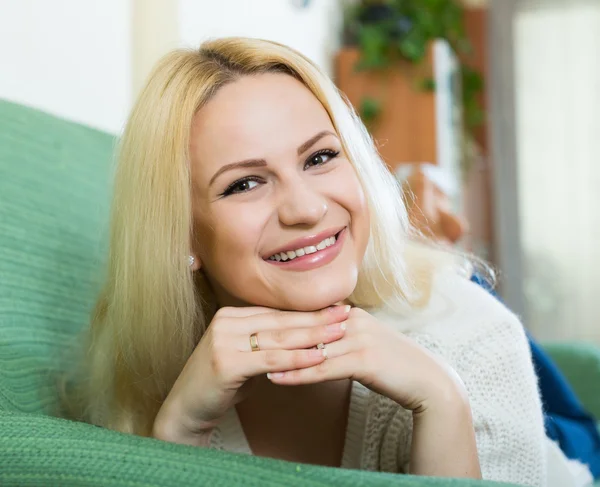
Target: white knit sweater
(486, 345)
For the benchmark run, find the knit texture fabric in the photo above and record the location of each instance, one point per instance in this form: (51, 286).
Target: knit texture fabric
(486, 345)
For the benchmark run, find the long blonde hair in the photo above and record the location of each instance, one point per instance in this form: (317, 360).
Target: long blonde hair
(151, 312)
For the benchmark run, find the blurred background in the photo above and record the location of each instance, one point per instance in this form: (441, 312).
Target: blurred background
(487, 110)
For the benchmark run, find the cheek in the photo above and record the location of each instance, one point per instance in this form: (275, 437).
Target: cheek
(355, 202)
(234, 235)
(351, 195)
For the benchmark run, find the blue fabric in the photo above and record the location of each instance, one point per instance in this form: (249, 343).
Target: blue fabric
(566, 421)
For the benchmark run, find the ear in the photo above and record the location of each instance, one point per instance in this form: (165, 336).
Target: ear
(194, 262)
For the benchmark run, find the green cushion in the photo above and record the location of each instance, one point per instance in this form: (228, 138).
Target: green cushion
(580, 362)
(35, 450)
(53, 210)
(54, 195)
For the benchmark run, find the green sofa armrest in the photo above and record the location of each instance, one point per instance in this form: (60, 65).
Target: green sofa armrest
(37, 450)
(580, 362)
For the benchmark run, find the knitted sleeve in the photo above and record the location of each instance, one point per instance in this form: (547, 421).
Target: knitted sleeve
(501, 383)
(486, 344)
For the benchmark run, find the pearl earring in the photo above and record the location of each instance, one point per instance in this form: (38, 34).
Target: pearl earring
(191, 260)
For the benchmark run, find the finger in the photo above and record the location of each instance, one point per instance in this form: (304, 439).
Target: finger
(343, 367)
(297, 338)
(263, 362)
(243, 312)
(340, 347)
(292, 319)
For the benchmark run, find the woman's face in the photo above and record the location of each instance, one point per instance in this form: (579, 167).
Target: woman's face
(280, 217)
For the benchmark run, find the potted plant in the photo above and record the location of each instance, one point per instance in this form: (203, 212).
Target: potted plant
(386, 69)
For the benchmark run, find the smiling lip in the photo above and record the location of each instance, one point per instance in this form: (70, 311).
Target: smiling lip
(317, 259)
(306, 241)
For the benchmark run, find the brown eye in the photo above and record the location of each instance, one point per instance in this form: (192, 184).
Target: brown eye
(320, 158)
(241, 186)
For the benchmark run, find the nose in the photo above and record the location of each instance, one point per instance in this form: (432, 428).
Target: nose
(301, 204)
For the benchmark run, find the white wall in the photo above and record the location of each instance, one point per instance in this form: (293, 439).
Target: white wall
(314, 31)
(155, 31)
(557, 85)
(85, 60)
(68, 57)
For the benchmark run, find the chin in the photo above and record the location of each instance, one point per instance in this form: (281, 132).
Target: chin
(320, 295)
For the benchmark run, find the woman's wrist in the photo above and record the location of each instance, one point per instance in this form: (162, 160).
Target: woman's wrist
(446, 393)
(173, 433)
(171, 426)
(443, 442)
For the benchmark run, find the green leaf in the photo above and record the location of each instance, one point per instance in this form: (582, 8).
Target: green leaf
(370, 109)
(464, 46)
(427, 23)
(474, 115)
(374, 44)
(428, 84)
(430, 19)
(472, 81)
(413, 47)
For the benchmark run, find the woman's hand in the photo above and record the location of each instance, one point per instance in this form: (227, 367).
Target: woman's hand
(382, 359)
(217, 373)
(391, 364)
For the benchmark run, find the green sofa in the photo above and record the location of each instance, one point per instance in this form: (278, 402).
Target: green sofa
(54, 197)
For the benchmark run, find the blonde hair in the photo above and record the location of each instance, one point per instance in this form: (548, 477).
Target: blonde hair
(151, 312)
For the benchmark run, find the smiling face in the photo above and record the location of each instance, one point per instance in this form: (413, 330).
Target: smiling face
(280, 217)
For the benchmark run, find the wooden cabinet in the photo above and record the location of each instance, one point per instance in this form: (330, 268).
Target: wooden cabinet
(405, 129)
(415, 125)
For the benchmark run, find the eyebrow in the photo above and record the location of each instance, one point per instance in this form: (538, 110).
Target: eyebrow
(313, 140)
(262, 162)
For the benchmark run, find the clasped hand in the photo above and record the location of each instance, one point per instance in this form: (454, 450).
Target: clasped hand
(355, 345)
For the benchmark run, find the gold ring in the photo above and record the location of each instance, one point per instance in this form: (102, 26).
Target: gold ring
(254, 343)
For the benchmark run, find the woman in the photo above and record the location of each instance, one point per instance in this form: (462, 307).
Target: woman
(262, 295)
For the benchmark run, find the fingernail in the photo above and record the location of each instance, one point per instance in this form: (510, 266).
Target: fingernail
(343, 326)
(275, 375)
(335, 328)
(338, 307)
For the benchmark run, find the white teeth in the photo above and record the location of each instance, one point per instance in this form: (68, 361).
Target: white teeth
(310, 249)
